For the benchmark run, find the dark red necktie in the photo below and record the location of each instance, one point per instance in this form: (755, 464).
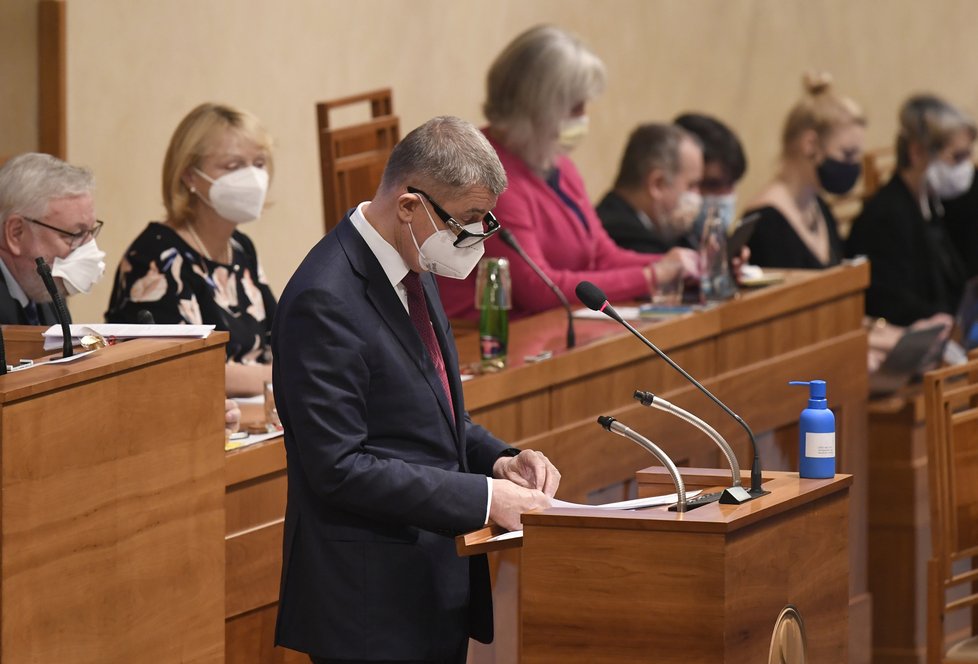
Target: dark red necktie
(418, 309)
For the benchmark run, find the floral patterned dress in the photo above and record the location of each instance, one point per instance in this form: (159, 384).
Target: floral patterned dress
(164, 275)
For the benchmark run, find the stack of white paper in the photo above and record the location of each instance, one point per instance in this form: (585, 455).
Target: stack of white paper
(120, 331)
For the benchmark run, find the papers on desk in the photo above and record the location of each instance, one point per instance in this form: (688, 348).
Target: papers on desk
(637, 503)
(120, 331)
(251, 439)
(628, 313)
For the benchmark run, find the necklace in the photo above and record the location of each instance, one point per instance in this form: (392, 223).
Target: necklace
(203, 249)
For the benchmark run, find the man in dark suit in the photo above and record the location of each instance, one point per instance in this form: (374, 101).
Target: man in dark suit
(46, 210)
(384, 465)
(656, 195)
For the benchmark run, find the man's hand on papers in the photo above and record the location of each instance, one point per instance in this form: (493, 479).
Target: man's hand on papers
(530, 469)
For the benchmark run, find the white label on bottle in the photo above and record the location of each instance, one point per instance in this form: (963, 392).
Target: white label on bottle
(820, 445)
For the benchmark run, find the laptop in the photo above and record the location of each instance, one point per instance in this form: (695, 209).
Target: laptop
(915, 351)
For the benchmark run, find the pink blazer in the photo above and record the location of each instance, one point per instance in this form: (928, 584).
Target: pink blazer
(554, 237)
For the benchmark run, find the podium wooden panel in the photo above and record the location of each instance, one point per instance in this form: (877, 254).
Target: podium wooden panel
(704, 586)
(112, 506)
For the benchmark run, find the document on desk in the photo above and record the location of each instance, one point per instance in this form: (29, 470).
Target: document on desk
(634, 504)
(119, 331)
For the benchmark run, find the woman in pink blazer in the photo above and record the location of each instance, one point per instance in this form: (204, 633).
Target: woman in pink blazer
(537, 92)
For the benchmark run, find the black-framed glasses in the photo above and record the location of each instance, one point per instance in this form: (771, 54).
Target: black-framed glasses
(76, 239)
(463, 237)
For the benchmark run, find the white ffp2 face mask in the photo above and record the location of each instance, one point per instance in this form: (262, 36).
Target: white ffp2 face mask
(949, 181)
(81, 269)
(238, 196)
(439, 254)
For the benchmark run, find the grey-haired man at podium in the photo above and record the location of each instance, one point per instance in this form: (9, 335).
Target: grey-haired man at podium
(384, 465)
(47, 209)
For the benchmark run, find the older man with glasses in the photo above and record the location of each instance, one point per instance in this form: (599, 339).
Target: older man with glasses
(47, 210)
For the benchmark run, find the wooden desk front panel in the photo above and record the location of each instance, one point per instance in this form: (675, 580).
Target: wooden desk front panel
(112, 513)
(606, 594)
(255, 502)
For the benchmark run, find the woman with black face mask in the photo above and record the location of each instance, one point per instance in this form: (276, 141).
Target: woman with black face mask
(821, 150)
(917, 272)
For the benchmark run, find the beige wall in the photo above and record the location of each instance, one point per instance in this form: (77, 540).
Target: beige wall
(137, 66)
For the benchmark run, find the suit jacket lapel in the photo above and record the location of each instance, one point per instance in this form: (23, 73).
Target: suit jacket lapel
(389, 306)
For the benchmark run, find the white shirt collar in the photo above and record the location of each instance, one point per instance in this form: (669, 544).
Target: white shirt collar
(390, 260)
(13, 287)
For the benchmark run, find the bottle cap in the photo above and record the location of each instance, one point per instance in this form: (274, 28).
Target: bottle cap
(816, 390)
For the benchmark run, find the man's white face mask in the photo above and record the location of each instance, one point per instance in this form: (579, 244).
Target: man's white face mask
(438, 254)
(81, 269)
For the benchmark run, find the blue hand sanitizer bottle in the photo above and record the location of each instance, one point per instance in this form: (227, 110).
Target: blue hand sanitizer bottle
(816, 434)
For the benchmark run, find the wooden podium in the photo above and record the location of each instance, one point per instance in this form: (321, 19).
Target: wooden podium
(705, 586)
(112, 522)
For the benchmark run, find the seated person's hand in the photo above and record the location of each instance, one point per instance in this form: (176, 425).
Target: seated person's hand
(232, 415)
(676, 265)
(530, 469)
(737, 262)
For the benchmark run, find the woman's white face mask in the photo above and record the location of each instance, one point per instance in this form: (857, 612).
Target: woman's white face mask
(438, 254)
(950, 181)
(238, 196)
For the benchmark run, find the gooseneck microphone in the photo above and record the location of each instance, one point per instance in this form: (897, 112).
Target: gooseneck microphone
(144, 317)
(510, 240)
(614, 426)
(60, 310)
(651, 400)
(594, 298)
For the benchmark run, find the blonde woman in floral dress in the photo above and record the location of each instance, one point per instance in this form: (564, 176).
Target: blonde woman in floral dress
(196, 266)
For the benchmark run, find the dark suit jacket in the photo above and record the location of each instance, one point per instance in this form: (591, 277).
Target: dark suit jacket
(381, 474)
(627, 230)
(11, 313)
(915, 271)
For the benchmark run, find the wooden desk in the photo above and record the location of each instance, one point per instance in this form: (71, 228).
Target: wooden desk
(745, 351)
(112, 505)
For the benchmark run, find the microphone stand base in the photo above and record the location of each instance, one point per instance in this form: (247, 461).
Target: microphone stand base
(737, 495)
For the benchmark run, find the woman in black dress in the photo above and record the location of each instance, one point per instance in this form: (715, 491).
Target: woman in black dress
(917, 271)
(821, 150)
(196, 266)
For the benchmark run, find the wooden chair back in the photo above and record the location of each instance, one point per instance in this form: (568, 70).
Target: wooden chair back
(352, 158)
(878, 167)
(951, 396)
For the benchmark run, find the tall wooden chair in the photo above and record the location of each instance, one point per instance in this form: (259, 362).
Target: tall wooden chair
(352, 158)
(952, 438)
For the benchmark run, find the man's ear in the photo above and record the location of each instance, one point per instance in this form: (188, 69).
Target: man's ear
(408, 206)
(656, 183)
(13, 234)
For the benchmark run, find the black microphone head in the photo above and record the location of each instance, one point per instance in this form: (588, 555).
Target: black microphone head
(606, 421)
(645, 397)
(144, 317)
(590, 295)
(41, 263)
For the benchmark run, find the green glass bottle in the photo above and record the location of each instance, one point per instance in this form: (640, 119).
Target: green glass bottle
(492, 298)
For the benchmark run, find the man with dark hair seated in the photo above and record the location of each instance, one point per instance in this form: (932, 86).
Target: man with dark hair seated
(656, 195)
(724, 164)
